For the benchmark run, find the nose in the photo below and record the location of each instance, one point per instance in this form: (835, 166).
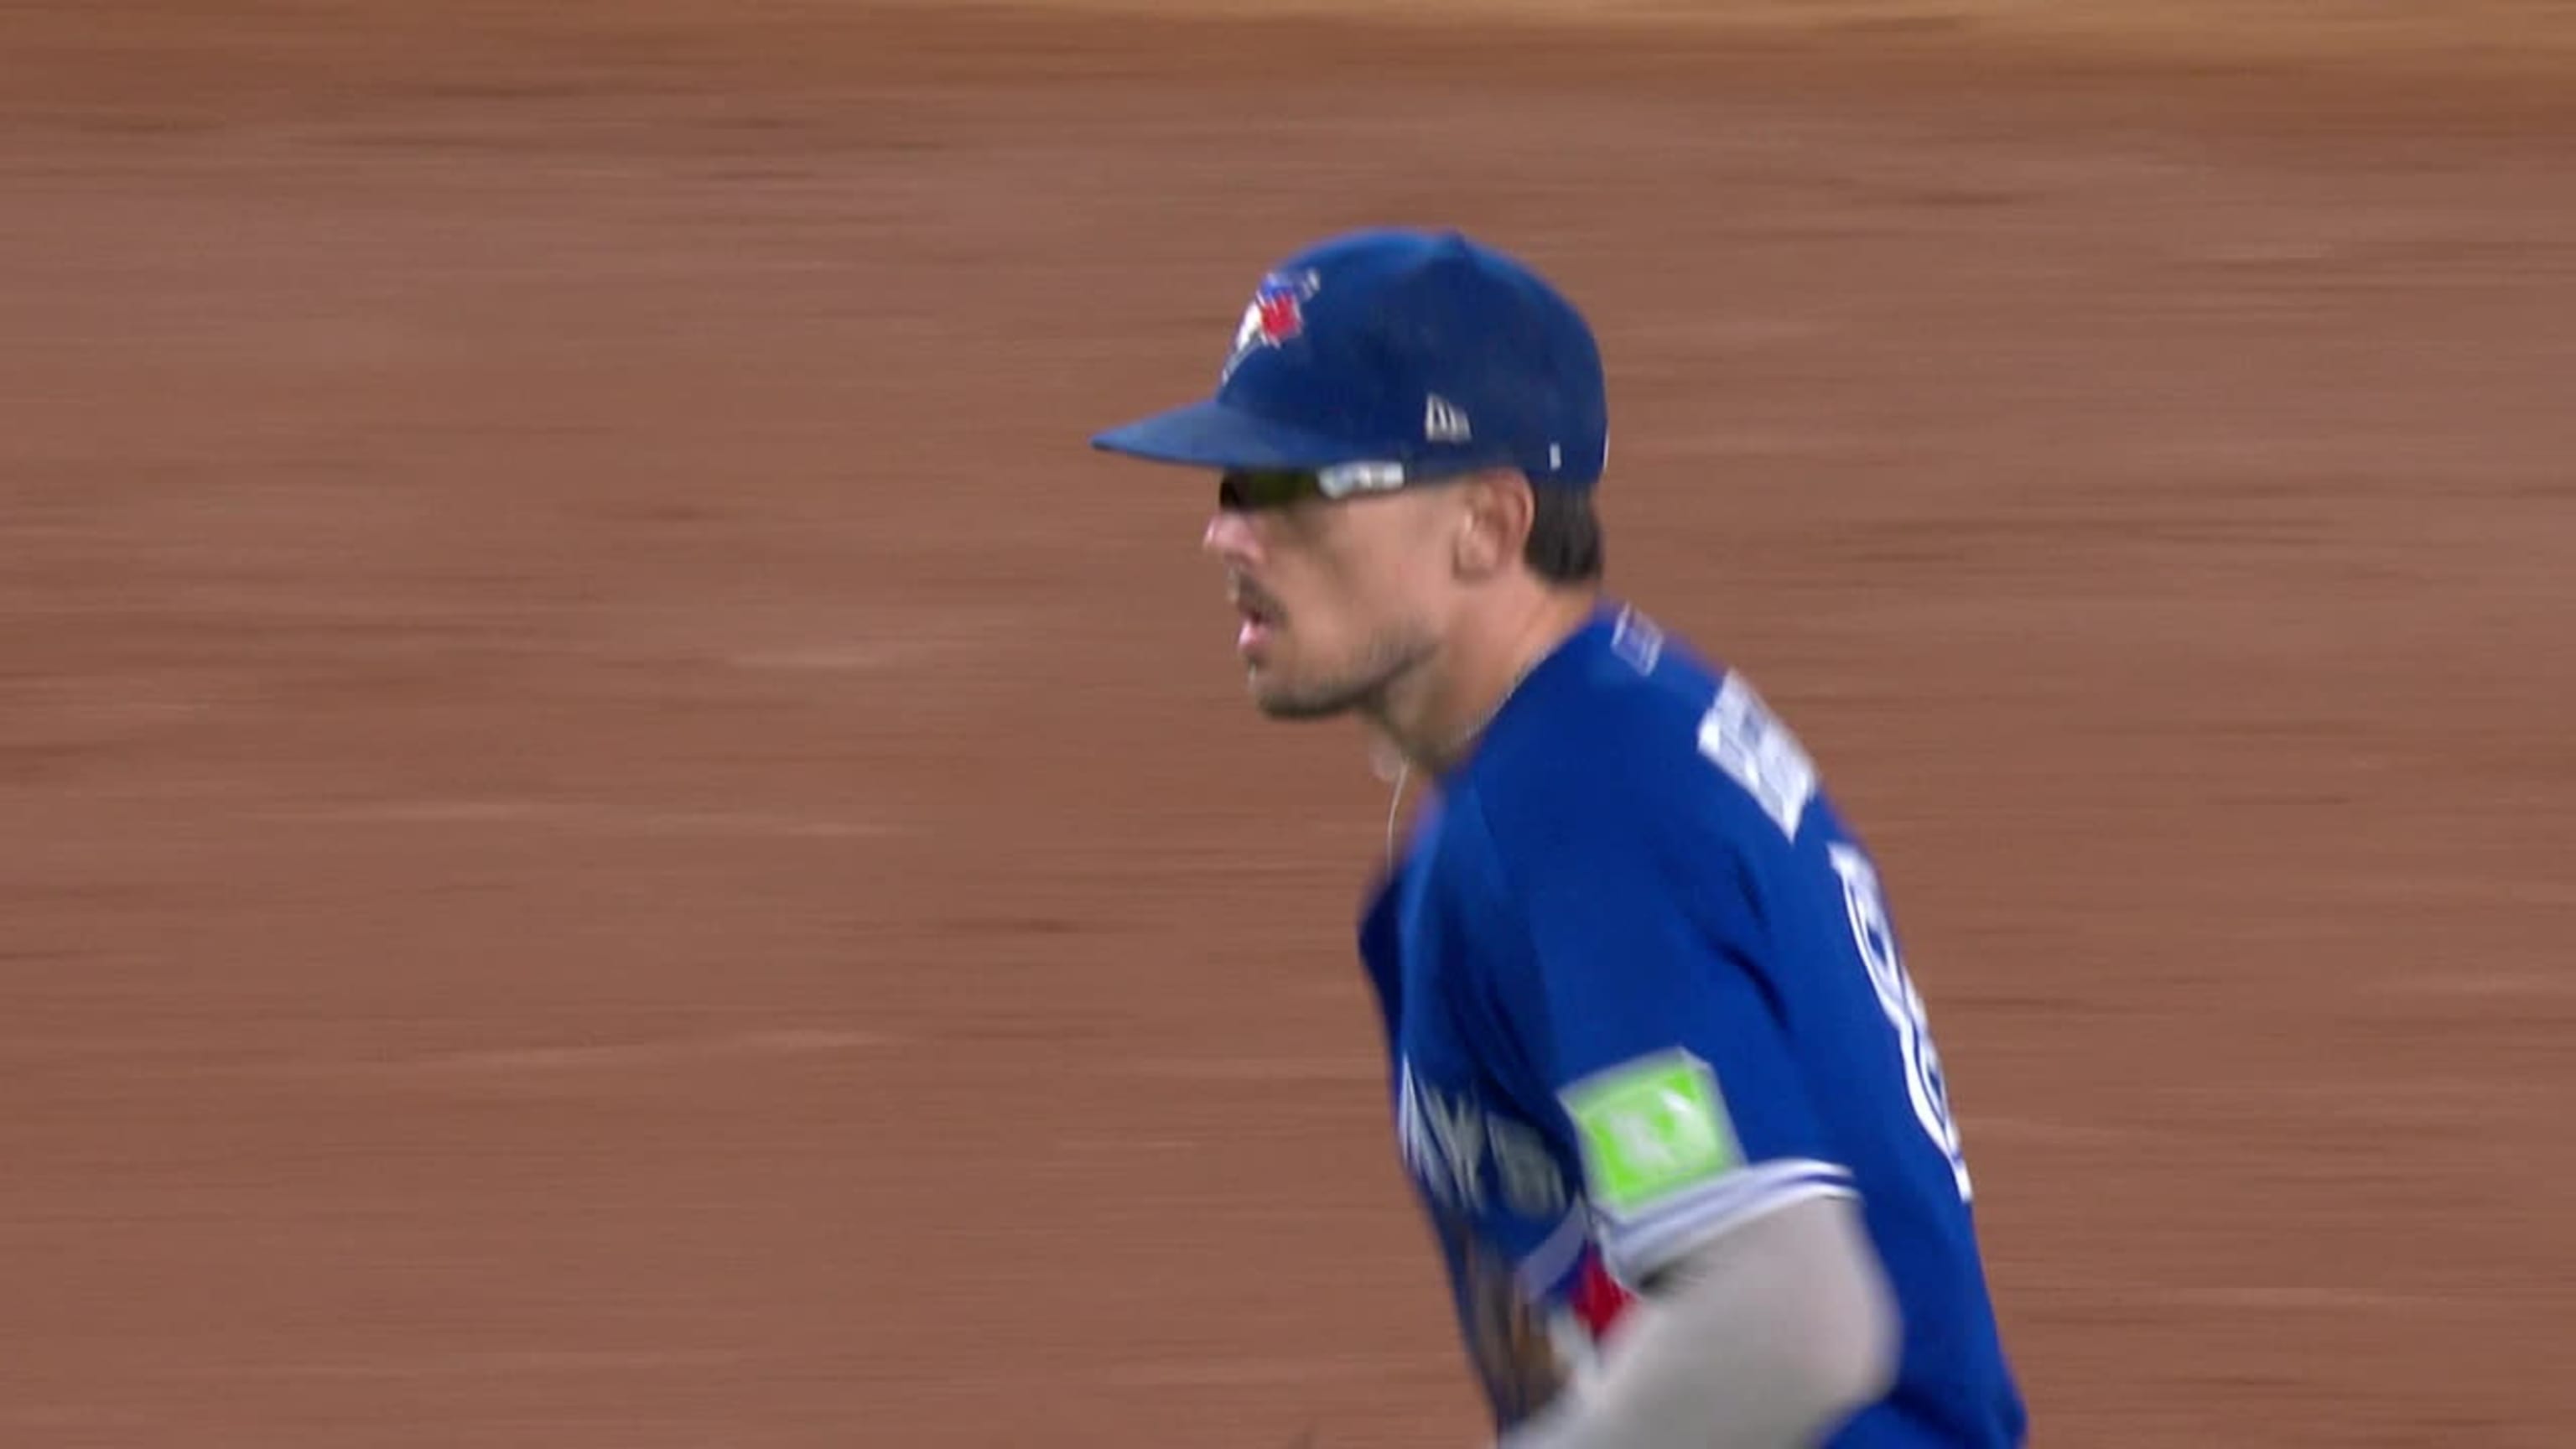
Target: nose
(1229, 536)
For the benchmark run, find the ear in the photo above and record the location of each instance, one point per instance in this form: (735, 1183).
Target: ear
(1493, 524)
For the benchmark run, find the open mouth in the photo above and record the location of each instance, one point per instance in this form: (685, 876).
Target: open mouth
(1259, 620)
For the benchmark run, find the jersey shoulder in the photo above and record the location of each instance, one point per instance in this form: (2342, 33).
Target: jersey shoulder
(1631, 742)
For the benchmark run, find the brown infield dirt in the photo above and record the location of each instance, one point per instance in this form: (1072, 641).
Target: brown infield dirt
(616, 836)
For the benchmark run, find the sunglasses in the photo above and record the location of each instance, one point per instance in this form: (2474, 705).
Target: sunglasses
(1265, 490)
(1255, 490)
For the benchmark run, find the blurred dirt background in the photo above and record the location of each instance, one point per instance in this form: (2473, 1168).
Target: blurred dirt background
(615, 836)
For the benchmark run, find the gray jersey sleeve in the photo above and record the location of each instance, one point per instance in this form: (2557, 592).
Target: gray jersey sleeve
(1768, 1336)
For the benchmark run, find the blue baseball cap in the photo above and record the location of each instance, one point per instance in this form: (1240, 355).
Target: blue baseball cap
(1384, 357)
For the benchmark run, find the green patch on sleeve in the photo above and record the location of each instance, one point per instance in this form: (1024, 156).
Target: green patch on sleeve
(1650, 1128)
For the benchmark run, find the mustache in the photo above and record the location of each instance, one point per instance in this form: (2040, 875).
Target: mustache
(1247, 594)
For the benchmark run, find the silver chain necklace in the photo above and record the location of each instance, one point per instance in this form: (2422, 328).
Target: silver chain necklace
(1404, 764)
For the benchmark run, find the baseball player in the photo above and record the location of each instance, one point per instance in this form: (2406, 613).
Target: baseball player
(1656, 1065)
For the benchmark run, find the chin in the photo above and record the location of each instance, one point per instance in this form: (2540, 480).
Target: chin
(1282, 699)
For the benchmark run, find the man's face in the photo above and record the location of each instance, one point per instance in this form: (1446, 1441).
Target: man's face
(1334, 599)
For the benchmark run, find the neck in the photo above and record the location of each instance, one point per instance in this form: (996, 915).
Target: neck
(1434, 716)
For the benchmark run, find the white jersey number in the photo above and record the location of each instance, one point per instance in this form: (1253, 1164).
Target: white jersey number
(1740, 736)
(1903, 1005)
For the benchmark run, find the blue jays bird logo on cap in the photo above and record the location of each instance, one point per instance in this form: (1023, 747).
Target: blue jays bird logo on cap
(1276, 317)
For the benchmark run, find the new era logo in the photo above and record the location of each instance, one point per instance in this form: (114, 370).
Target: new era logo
(1444, 421)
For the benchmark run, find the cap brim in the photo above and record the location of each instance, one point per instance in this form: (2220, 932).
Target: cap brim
(1214, 434)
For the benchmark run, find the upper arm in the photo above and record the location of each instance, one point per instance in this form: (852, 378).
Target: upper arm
(1647, 1005)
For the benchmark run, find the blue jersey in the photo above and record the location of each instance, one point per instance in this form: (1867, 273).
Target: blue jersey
(1639, 985)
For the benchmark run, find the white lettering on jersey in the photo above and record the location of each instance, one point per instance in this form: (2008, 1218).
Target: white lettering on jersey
(1447, 1140)
(1741, 736)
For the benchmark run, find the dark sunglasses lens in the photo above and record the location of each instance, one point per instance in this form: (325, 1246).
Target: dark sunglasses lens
(1259, 488)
